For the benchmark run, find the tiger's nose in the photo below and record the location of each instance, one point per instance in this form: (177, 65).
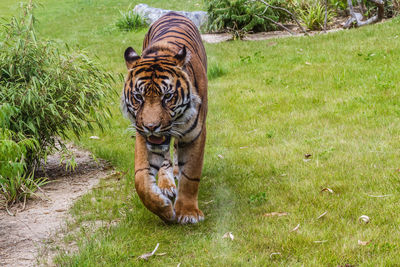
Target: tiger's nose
(151, 127)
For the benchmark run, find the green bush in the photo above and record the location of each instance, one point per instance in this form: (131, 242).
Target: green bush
(241, 16)
(15, 182)
(130, 21)
(46, 93)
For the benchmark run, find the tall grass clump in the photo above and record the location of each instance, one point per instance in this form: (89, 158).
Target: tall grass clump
(46, 93)
(130, 21)
(312, 14)
(215, 71)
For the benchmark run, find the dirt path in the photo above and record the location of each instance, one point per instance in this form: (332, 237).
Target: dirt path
(22, 235)
(213, 38)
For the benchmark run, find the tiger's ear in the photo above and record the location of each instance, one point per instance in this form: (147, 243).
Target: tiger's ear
(130, 57)
(182, 57)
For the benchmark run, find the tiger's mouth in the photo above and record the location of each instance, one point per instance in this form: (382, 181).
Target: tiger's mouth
(158, 140)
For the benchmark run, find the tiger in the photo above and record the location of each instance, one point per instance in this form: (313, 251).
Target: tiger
(165, 98)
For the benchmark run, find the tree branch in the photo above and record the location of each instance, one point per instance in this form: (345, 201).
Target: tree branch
(285, 10)
(279, 24)
(356, 18)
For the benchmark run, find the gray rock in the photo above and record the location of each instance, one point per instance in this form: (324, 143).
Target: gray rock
(151, 14)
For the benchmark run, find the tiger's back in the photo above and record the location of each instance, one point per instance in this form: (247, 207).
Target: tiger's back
(175, 31)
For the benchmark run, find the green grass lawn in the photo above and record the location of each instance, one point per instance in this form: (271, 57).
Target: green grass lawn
(334, 96)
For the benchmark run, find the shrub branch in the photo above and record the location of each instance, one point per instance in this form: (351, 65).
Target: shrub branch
(285, 10)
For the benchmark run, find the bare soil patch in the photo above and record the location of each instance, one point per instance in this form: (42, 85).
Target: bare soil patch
(22, 235)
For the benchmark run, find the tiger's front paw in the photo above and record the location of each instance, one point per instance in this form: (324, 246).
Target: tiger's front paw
(167, 213)
(169, 192)
(166, 184)
(188, 213)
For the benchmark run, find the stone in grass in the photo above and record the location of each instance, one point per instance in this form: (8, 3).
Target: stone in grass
(151, 14)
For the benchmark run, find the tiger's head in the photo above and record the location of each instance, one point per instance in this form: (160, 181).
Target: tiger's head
(158, 96)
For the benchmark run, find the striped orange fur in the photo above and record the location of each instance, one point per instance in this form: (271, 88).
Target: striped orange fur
(165, 97)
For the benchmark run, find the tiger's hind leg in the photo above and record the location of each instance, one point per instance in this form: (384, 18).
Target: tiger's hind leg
(166, 180)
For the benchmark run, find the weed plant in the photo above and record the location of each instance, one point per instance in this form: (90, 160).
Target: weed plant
(46, 93)
(312, 14)
(130, 21)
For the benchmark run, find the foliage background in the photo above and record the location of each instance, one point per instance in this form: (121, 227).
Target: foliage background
(333, 96)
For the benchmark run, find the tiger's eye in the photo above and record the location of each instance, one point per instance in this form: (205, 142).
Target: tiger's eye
(167, 96)
(138, 97)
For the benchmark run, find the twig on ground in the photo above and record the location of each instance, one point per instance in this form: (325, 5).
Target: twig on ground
(9, 212)
(24, 205)
(147, 255)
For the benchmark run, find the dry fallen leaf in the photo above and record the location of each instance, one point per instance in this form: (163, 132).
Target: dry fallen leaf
(278, 214)
(308, 63)
(326, 189)
(94, 137)
(363, 243)
(320, 241)
(274, 253)
(364, 218)
(220, 156)
(322, 215)
(148, 255)
(208, 202)
(296, 228)
(161, 254)
(306, 160)
(60, 210)
(228, 234)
